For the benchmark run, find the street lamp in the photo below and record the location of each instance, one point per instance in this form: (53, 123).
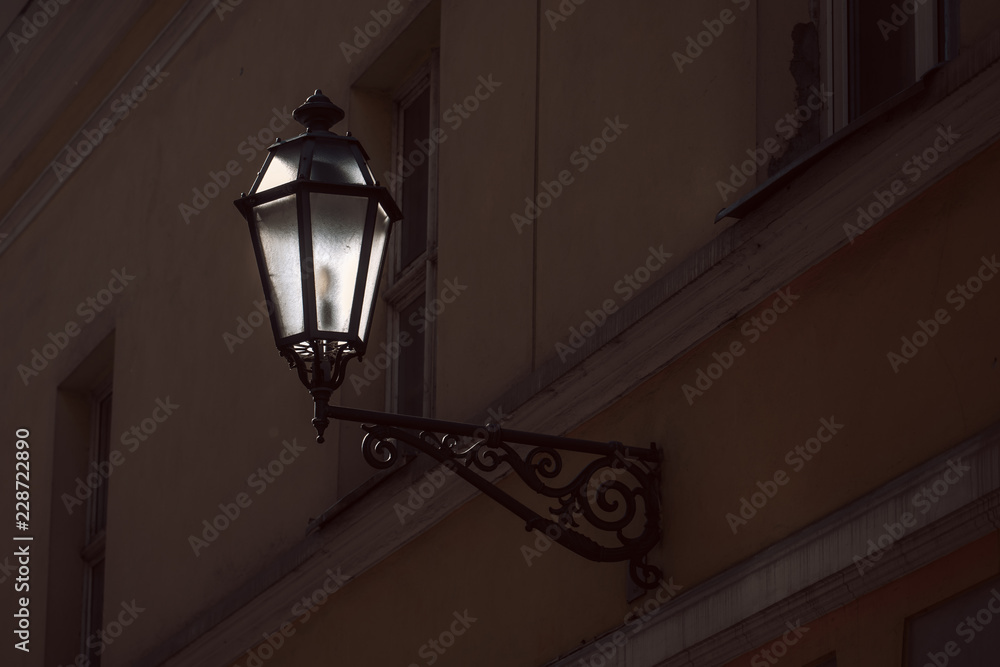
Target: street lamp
(320, 229)
(320, 226)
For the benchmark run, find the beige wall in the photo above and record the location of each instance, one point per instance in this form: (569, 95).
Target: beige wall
(654, 186)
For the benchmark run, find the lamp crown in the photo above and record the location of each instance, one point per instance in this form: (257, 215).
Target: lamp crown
(318, 113)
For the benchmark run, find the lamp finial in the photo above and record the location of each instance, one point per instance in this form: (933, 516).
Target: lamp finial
(318, 113)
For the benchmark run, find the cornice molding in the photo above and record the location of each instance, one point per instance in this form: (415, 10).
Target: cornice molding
(819, 567)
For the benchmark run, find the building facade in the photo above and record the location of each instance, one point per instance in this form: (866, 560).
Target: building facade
(757, 234)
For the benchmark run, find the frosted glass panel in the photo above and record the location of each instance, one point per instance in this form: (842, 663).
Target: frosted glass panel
(284, 168)
(338, 227)
(379, 241)
(336, 164)
(279, 239)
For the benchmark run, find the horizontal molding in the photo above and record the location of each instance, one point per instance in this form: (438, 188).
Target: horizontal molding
(793, 231)
(814, 571)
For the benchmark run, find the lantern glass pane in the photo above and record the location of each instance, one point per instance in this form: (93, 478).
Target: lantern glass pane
(283, 168)
(338, 224)
(336, 163)
(379, 241)
(277, 225)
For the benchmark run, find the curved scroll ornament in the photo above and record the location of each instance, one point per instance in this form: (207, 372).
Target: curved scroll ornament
(319, 364)
(615, 495)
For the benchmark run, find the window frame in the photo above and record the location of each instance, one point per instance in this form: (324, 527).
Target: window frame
(836, 59)
(835, 70)
(417, 280)
(95, 536)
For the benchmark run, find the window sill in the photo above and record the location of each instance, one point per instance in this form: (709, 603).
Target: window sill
(762, 192)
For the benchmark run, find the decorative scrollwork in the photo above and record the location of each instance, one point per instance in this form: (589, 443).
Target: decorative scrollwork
(321, 367)
(378, 452)
(614, 495)
(319, 364)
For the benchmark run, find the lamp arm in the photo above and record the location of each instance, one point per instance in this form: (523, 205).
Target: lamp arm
(605, 495)
(650, 454)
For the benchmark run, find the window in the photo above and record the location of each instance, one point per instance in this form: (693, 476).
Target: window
(957, 632)
(889, 46)
(79, 503)
(97, 521)
(821, 66)
(826, 63)
(413, 261)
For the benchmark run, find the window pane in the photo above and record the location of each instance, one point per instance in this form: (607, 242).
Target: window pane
(416, 136)
(794, 98)
(881, 53)
(95, 613)
(277, 224)
(283, 168)
(338, 229)
(102, 450)
(337, 164)
(379, 239)
(410, 365)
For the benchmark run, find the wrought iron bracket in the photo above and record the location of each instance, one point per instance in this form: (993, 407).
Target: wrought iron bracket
(615, 496)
